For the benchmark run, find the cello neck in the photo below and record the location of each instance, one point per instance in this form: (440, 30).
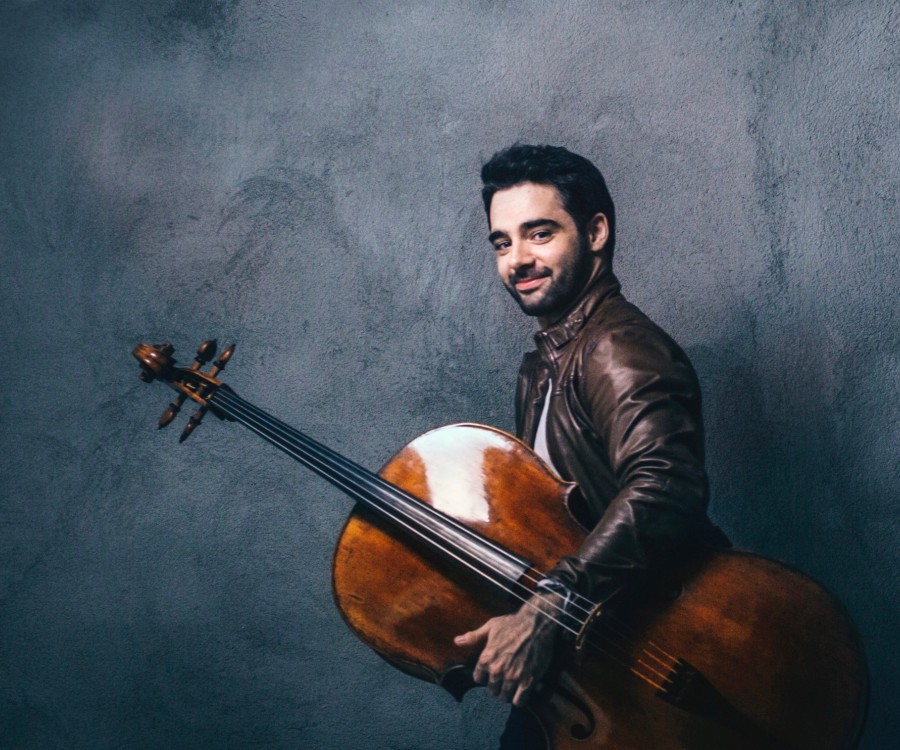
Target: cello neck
(437, 530)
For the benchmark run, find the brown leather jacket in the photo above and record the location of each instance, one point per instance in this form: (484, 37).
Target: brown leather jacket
(625, 424)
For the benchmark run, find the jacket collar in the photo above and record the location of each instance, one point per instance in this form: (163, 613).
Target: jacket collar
(557, 335)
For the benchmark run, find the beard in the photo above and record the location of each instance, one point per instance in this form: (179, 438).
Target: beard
(565, 285)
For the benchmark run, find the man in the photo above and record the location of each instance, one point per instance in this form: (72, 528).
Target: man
(608, 399)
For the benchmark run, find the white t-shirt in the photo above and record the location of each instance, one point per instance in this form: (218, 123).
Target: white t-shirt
(540, 439)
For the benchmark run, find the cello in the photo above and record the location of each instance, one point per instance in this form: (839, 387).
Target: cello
(729, 651)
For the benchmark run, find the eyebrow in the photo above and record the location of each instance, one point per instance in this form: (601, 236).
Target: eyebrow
(525, 227)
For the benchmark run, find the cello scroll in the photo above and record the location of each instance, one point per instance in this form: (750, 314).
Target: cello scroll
(157, 363)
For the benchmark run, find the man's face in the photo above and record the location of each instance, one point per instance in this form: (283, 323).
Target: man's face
(542, 257)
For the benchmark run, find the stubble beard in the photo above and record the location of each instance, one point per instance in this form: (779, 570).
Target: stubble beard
(564, 286)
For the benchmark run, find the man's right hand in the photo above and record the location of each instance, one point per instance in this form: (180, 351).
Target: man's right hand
(516, 649)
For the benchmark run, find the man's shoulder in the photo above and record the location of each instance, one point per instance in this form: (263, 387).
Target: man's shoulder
(619, 322)
(530, 360)
(621, 336)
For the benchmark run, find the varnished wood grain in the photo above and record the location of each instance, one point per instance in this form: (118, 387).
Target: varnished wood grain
(771, 641)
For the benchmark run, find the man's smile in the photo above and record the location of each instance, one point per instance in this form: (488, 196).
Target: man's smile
(531, 282)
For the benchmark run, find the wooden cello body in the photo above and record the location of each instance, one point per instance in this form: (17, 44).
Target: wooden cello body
(776, 657)
(730, 652)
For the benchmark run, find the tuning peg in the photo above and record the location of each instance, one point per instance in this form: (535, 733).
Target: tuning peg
(171, 412)
(205, 353)
(192, 424)
(223, 359)
(217, 367)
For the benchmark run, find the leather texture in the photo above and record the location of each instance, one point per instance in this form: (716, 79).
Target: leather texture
(625, 424)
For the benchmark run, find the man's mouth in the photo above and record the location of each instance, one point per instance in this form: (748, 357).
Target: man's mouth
(530, 283)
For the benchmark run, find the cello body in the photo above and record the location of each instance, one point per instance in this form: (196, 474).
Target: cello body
(732, 651)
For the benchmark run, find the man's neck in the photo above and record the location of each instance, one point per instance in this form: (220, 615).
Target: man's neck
(547, 321)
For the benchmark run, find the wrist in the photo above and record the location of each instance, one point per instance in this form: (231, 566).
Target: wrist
(552, 589)
(556, 601)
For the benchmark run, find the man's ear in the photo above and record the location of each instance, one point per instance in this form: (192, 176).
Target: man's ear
(597, 232)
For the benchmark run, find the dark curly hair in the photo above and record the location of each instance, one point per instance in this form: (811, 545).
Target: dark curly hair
(579, 182)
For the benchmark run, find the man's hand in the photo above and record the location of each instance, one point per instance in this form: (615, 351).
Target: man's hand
(517, 649)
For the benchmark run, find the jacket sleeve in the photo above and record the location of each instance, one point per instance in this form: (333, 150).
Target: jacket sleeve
(523, 382)
(643, 401)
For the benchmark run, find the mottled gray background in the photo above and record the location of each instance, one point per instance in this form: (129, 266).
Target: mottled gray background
(302, 178)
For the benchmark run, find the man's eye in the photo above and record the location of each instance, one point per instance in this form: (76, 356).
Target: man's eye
(501, 245)
(543, 234)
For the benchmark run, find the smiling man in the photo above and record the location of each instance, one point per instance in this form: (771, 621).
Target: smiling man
(608, 399)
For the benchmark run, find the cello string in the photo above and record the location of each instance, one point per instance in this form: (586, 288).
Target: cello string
(274, 424)
(372, 482)
(379, 483)
(368, 478)
(400, 521)
(620, 629)
(286, 430)
(354, 492)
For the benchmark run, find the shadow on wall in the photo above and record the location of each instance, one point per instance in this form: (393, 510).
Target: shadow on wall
(802, 465)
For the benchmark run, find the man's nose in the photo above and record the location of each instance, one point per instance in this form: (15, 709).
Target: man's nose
(520, 254)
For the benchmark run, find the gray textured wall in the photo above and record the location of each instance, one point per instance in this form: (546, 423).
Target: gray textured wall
(302, 178)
